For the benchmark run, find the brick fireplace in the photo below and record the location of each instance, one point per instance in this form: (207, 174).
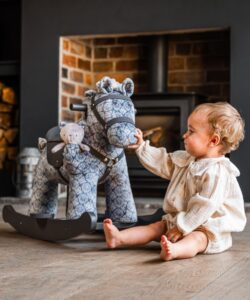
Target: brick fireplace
(193, 69)
(196, 62)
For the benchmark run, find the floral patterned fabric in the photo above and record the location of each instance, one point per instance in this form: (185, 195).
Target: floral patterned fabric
(82, 170)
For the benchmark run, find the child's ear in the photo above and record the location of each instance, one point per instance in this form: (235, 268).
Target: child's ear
(215, 140)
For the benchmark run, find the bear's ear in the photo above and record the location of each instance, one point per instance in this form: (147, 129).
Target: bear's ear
(82, 123)
(90, 93)
(62, 124)
(128, 87)
(105, 85)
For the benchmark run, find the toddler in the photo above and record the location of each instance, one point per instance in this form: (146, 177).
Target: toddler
(203, 202)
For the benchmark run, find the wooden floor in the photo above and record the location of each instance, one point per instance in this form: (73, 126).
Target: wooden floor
(84, 269)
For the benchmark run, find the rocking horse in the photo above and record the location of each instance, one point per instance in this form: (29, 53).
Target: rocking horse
(109, 127)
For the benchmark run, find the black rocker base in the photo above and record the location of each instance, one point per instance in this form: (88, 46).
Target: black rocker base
(142, 220)
(49, 229)
(44, 227)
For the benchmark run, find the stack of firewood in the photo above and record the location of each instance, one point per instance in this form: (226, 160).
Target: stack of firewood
(8, 125)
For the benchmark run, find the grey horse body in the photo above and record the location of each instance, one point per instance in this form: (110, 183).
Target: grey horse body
(82, 170)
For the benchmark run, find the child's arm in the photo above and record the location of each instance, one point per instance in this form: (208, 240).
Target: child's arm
(174, 234)
(214, 186)
(156, 160)
(204, 203)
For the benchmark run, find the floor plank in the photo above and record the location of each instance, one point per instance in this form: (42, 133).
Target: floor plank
(231, 285)
(83, 268)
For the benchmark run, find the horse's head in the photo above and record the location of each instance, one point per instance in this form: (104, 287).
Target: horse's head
(114, 109)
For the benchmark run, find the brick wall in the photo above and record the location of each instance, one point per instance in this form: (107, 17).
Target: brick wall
(85, 61)
(197, 62)
(200, 62)
(120, 58)
(75, 74)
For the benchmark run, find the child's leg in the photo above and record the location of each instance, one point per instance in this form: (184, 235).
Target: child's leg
(188, 247)
(135, 236)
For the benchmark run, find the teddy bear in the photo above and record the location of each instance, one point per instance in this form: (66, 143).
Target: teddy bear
(71, 133)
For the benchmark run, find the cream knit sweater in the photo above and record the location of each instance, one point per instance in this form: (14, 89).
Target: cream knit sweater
(202, 195)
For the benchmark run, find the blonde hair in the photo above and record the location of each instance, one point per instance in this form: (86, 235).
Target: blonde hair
(225, 121)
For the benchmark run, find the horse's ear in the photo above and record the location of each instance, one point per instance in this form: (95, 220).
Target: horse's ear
(90, 93)
(105, 85)
(128, 87)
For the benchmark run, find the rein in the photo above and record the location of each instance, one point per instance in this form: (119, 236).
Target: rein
(53, 137)
(110, 162)
(113, 121)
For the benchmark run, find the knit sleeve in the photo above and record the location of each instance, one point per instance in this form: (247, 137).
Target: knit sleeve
(213, 186)
(156, 160)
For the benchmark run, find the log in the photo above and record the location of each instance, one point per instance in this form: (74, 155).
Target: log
(8, 95)
(3, 152)
(151, 131)
(1, 88)
(3, 142)
(5, 120)
(154, 134)
(5, 107)
(12, 153)
(1, 133)
(10, 134)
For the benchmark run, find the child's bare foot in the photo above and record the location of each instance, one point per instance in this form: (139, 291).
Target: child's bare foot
(111, 234)
(167, 249)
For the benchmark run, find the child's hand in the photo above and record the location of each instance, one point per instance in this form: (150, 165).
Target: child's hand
(139, 136)
(174, 234)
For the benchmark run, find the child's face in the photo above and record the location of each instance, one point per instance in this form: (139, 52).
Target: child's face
(198, 136)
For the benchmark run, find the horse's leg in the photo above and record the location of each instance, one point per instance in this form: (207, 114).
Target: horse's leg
(83, 177)
(82, 195)
(119, 198)
(44, 190)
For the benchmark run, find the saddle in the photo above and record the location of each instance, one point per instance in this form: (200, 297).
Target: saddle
(53, 138)
(56, 159)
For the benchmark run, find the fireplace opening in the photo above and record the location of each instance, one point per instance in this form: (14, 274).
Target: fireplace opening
(161, 127)
(172, 73)
(162, 118)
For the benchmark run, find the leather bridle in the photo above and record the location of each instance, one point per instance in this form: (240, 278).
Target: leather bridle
(113, 121)
(110, 162)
